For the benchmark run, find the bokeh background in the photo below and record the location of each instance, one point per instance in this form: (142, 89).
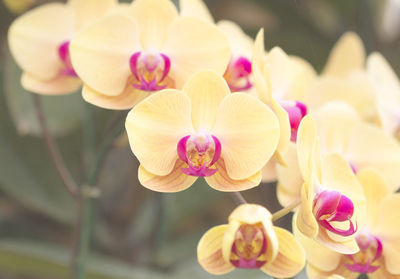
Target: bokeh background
(137, 233)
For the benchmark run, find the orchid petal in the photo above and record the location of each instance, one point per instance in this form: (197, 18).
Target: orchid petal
(339, 273)
(155, 127)
(195, 8)
(173, 182)
(34, 39)
(154, 18)
(88, 11)
(347, 55)
(100, 55)
(240, 42)
(209, 251)
(57, 86)
(194, 45)
(249, 133)
(206, 91)
(269, 172)
(222, 182)
(290, 259)
(126, 100)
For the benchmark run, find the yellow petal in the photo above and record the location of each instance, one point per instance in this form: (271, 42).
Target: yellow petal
(388, 231)
(57, 86)
(209, 251)
(100, 53)
(154, 18)
(249, 133)
(340, 244)
(222, 182)
(387, 85)
(306, 142)
(269, 172)
(229, 238)
(88, 11)
(240, 42)
(375, 189)
(126, 100)
(318, 255)
(340, 273)
(290, 259)
(383, 273)
(194, 45)
(356, 90)
(347, 55)
(250, 214)
(305, 220)
(195, 8)
(34, 39)
(304, 77)
(155, 127)
(173, 182)
(206, 90)
(290, 178)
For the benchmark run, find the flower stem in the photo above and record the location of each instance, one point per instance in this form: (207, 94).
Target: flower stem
(285, 211)
(238, 198)
(54, 153)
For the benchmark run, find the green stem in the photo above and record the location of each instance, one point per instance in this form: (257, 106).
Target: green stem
(285, 211)
(89, 190)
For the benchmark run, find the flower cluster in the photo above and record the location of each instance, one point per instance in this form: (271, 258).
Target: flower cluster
(208, 101)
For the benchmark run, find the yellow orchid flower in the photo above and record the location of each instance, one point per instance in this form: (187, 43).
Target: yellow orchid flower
(344, 78)
(238, 73)
(378, 237)
(39, 41)
(250, 241)
(387, 86)
(280, 82)
(18, 6)
(124, 58)
(331, 196)
(341, 130)
(202, 131)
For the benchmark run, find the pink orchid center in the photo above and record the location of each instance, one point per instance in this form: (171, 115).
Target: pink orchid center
(330, 208)
(150, 71)
(366, 260)
(64, 54)
(296, 111)
(249, 246)
(237, 75)
(200, 152)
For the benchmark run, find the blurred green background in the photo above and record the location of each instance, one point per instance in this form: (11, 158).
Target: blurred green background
(140, 234)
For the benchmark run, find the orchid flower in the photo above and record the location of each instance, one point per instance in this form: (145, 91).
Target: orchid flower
(378, 237)
(387, 86)
(250, 241)
(341, 130)
(39, 40)
(331, 196)
(280, 82)
(344, 78)
(238, 74)
(202, 131)
(124, 58)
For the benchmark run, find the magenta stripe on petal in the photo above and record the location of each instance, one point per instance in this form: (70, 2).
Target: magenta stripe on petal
(181, 148)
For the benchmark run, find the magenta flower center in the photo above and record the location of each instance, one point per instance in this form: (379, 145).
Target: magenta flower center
(64, 54)
(237, 75)
(296, 111)
(330, 208)
(200, 152)
(150, 71)
(249, 247)
(365, 261)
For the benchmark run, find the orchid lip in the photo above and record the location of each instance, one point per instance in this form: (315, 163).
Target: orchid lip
(362, 262)
(200, 153)
(238, 74)
(332, 206)
(150, 70)
(296, 111)
(249, 247)
(64, 54)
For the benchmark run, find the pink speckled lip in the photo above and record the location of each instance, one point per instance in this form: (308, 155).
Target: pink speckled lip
(64, 54)
(369, 245)
(332, 206)
(150, 71)
(204, 170)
